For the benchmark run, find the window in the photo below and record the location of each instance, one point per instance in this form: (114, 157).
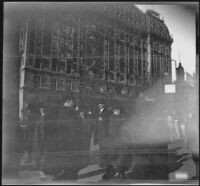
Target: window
(42, 81)
(29, 79)
(131, 79)
(69, 66)
(54, 64)
(93, 52)
(75, 67)
(47, 37)
(117, 34)
(122, 77)
(37, 63)
(53, 83)
(61, 67)
(38, 39)
(122, 65)
(60, 83)
(101, 74)
(144, 45)
(31, 39)
(111, 64)
(45, 64)
(139, 67)
(75, 87)
(36, 81)
(30, 61)
(111, 48)
(111, 76)
(45, 82)
(127, 38)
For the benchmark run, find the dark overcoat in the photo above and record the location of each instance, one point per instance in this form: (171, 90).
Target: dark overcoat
(101, 131)
(115, 125)
(66, 141)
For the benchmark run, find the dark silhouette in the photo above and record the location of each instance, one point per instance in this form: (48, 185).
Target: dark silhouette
(65, 144)
(180, 72)
(28, 126)
(102, 137)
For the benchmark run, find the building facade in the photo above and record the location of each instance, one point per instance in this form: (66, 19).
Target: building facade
(96, 51)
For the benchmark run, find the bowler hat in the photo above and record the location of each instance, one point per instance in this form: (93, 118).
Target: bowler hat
(68, 97)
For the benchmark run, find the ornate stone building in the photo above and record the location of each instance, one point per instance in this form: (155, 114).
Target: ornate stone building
(96, 50)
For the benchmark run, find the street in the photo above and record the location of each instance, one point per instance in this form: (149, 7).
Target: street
(92, 174)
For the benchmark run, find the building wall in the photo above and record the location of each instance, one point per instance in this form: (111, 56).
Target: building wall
(65, 52)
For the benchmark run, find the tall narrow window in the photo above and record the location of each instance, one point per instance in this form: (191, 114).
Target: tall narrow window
(36, 81)
(53, 83)
(45, 82)
(39, 29)
(31, 38)
(47, 37)
(45, 64)
(37, 63)
(54, 64)
(69, 66)
(61, 83)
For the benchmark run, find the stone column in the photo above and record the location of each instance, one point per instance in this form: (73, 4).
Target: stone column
(149, 75)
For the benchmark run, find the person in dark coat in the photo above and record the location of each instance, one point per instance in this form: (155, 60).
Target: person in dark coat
(101, 137)
(69, 130)
(28, 126)
(40, 139)
(119, 159)
(50, 164)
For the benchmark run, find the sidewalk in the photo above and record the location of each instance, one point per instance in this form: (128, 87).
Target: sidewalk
(92, 174)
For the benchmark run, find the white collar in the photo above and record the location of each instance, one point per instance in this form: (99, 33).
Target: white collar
(101, 109)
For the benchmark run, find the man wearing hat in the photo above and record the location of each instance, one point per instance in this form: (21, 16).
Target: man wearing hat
(41, 137)
(68, 137)
(28, 125)
(101, 131)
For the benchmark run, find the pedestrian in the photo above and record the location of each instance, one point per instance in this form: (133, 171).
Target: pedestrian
(40, 139)
(122, 158)
(171, 125)
(28, 126)
(114, 139)
(50, 165)
(69, 138)
(101, 137)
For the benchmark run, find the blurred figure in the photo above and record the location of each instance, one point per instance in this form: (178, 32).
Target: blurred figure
(192, 132)
(102, 137)
(40, 135)
(85, 115)
(171, 125)
(119, 159)
(28, 126)
(49, 165)
(64, 159)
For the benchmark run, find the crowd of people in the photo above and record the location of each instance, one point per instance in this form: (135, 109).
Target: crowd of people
(57, 139)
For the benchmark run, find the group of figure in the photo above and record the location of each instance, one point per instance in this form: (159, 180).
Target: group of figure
(58, 139)
(63, 135)
(107, 133)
